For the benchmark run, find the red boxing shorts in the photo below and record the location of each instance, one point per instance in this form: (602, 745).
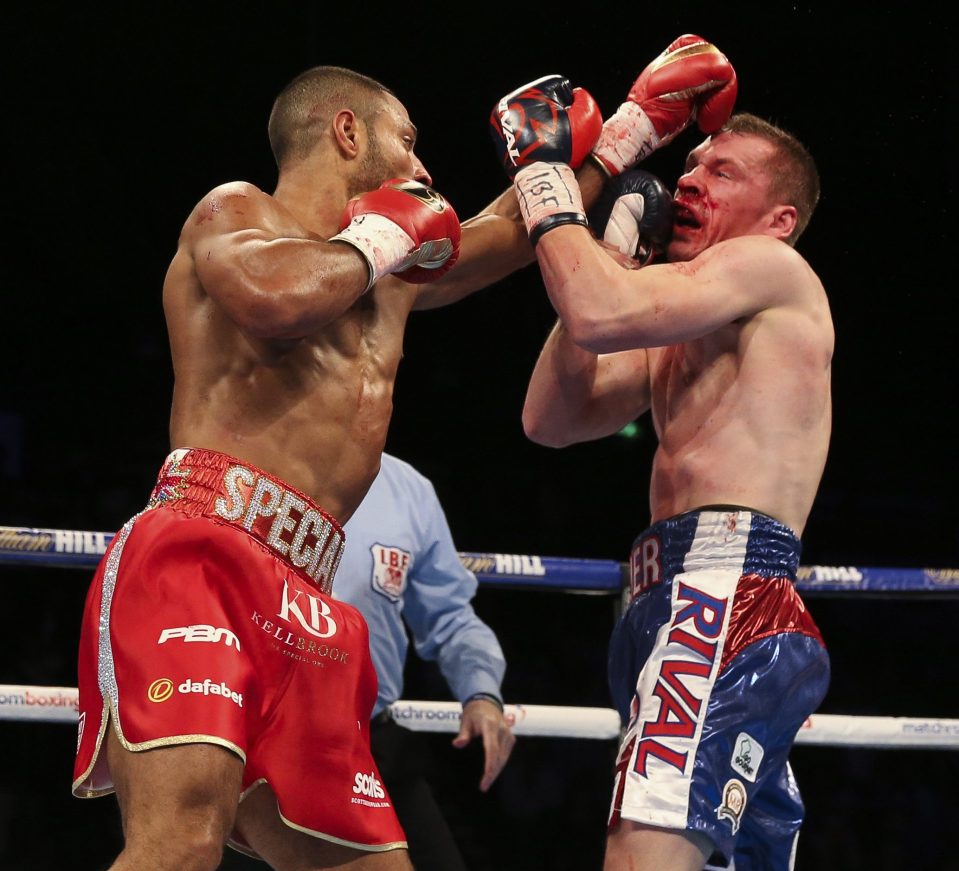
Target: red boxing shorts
(210, 620)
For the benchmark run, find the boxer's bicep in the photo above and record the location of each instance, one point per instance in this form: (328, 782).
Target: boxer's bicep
(621, 390)
(279, 286)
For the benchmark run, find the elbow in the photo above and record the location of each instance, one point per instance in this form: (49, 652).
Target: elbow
(541, 431)
(590, 334)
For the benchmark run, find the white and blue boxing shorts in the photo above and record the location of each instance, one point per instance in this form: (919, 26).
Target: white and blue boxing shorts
(714, 667)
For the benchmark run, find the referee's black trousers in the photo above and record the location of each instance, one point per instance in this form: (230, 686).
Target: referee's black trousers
(403, 759)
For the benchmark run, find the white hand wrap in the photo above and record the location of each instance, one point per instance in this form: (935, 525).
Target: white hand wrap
(622, 228)
(386, 246)
(627, 137)
(548, 196)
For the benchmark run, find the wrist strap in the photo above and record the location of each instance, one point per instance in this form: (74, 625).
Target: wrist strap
(597, 161)
(548, 196)
(486, 697)
(626, 138)
(554, 221)
(383, 243)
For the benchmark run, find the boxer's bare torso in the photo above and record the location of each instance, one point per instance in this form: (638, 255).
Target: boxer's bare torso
(743, 415)
(312, 410)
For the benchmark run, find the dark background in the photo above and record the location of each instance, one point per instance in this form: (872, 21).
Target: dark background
(116, 123)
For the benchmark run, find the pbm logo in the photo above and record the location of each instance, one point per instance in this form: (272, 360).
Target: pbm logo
(160, 690)
(368, 785)
(200, 632)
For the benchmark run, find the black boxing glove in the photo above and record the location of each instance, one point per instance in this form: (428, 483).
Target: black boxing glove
(545, 120)
(635, 214)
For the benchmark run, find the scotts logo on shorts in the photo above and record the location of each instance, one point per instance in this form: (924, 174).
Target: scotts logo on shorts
(200, 632)
(160, 690)
(317, 620)
(368, 785)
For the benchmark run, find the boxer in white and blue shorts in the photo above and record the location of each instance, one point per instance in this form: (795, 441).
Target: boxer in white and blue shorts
(714, 667)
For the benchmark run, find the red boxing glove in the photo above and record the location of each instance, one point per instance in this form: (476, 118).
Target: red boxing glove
(690, 80)
(404, 228)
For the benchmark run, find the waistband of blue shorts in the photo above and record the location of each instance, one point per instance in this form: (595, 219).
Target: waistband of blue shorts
(719, 537)
(211, 484)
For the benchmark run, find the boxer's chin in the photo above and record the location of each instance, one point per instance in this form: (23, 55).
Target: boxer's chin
(681, 249)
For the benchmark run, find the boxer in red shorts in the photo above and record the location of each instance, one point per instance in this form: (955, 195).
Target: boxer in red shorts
(235, 641)
(226, 697)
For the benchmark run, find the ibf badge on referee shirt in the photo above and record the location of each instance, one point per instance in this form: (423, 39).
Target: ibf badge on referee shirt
(390, 568)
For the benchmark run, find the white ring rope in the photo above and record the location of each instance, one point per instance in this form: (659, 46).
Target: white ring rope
(60, 705)
(82, 549)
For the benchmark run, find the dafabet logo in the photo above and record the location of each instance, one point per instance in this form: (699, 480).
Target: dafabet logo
(160, 690)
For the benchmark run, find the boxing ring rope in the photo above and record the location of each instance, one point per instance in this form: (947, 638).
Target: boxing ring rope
(82, 549)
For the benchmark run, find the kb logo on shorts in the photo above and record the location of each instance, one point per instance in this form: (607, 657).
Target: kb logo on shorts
(318, 622)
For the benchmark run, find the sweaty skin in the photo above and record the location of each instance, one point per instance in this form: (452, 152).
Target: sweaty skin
(743, 414)
(312, 409)
(279, 357)
(729, 346)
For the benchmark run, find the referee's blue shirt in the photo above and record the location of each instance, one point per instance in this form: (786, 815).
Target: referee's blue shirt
(400, 564)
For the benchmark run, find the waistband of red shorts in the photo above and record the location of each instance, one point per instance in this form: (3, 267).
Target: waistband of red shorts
(210, 484)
